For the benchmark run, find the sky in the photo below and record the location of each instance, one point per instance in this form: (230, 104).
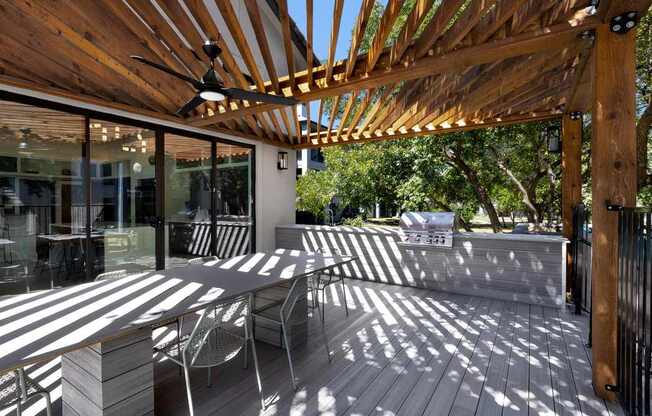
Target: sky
(322, 21)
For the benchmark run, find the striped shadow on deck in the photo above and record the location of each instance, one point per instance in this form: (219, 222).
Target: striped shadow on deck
(408, 351)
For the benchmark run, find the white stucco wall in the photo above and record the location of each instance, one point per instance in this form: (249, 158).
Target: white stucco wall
(275, 194)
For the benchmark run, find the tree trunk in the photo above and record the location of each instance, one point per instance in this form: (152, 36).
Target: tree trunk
(642, 132)
(481, 192)
(533, 213)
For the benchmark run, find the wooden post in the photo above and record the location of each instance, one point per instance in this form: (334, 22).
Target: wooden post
(571, 182)
(614, 181)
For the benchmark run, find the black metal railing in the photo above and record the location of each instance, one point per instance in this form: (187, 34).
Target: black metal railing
(634, 311)
(582, 255)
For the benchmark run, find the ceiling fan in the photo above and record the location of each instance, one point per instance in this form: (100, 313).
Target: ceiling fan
(211, 88)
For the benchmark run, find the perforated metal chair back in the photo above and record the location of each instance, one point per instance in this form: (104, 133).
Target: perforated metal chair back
(218, 335)
(202, 260)
(16, 388)
(112, 275)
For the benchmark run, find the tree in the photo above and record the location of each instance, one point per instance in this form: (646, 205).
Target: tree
(314, 192)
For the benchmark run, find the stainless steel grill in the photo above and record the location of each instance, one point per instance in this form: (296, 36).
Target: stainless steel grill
(428, 228)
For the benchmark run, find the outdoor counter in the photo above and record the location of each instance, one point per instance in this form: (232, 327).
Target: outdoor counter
(520, 267)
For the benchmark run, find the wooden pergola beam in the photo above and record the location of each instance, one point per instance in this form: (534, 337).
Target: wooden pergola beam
(556, 37)
(317, 140)
(614, 181)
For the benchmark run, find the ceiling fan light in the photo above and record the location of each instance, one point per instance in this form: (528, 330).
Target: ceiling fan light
(211, 96)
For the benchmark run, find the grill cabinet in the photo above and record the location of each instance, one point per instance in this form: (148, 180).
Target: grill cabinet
(433, 229)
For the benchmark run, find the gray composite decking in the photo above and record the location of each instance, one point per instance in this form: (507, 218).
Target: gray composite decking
(405, 351)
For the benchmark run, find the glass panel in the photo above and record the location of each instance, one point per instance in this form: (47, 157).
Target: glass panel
(122, 197)
(42, 201)
(234, 200)
(187, 199)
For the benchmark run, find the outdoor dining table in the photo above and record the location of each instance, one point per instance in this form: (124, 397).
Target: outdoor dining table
(104, 329)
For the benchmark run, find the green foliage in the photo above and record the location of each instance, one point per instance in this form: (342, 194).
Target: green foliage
(355, 222)
(314, 192)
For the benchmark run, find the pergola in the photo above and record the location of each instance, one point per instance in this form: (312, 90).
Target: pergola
(455, 65)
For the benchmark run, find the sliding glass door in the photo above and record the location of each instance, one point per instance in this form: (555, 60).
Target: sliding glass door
(123, 197)
(188, 195)
(82, 194)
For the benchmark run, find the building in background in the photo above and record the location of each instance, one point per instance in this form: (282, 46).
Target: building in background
(308, 159)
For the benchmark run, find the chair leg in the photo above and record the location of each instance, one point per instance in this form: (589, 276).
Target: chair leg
(208, 381)
(258, 379)
(179, 323)
(289, 354)
(48, 403)
(245, 351)
(346, 305)
(323, 333)
(323, 304)
(191, 409)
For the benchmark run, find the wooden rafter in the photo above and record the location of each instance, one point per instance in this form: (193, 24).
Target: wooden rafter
(451, 64)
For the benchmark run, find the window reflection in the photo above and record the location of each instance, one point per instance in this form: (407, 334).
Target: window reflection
(187, 199)
(234, 200)
(42, 201)
(122, 197)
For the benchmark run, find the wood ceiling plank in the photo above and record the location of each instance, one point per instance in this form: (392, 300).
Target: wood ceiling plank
(345, 115)
(550, 38)
(231, 19)
(60, 28)
(263, 44)
(208, 26)
(309, 36)
(464, 24)
(334, 106)
(320, 113)
(335, 32)
(373, 111)
(287, 41)
(164, 32)
(518, 119)
(414, 20)
(362, 108)
(358, 33)
(494, 20)
(391, 13)
(436, 27)
(131, 20)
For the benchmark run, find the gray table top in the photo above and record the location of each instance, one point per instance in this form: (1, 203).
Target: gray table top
(42, 325)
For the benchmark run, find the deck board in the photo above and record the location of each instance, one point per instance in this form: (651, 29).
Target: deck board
(401, 351)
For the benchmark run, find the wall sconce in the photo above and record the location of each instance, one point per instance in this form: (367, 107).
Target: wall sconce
(282, 161)
(552, 137)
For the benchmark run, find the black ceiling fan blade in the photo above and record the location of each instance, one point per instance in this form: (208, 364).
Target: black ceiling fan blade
(190, 105)
(170, 71)
(255, 96)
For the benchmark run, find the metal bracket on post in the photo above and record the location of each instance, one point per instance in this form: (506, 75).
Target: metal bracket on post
(623, 23)
(612, 388)
(614, 207)
(575, 115)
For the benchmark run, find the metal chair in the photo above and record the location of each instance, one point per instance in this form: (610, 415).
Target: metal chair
(221, 332)
(16, 389)
(321, 281)
(202, 260)
(112, 275)
(290, 316)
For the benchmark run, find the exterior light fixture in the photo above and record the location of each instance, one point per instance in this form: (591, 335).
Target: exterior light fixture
(211, 95)
(623, 23)
(104, 138)
(125, 148)
(553, 138)
(282, 161)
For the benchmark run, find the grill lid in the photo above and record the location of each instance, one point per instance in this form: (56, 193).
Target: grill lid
(428, 221)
